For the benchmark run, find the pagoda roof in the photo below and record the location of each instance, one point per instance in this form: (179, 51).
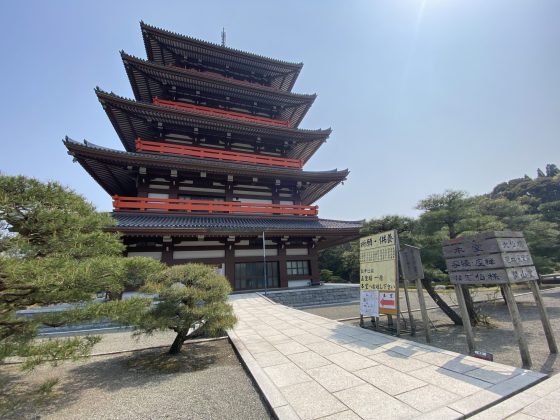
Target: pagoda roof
(148, 79)
(334, 231)
(162, 46)
(110, 168)
(133, 120)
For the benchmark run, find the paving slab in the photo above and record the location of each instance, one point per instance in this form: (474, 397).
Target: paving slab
(308, 360)
(310, 367)
(538, 402)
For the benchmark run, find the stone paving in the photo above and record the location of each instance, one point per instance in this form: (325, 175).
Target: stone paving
(310, 367)
(538, 402)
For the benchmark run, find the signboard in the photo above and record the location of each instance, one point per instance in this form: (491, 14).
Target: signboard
(497, 276)
(489, 258)
(388, 302)
(496, 258)
(513, 259)
(378, 266)
(466, 247)
(369, 303)
(411, 264)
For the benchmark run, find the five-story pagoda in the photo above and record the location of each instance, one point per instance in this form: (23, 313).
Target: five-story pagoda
(214, 159)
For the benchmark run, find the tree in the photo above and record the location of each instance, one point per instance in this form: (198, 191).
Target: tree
(192, 299)
(54, 249)
(545, 188)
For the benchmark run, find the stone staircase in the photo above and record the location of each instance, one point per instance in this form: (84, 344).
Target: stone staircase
(327, 294)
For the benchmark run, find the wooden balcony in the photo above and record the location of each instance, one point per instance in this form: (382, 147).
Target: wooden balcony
(204, 206)
(200, 152)
(221, 113)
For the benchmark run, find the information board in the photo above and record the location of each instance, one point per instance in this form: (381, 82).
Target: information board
(500, 258)
(411, 264)
(378, 267)
(369, 302)
(489, 258)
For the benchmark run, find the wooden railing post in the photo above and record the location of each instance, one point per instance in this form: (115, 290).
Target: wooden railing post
(166, 148)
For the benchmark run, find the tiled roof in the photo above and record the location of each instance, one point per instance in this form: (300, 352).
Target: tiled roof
(132, 120)
(164, 47)
(233, 223)
(109, 168)
(149, 80)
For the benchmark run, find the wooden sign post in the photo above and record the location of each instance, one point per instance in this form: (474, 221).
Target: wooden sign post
(412, 270)
(379, 272)
(500, 258)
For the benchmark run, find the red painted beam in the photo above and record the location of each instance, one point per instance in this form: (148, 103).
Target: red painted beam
(204, 206)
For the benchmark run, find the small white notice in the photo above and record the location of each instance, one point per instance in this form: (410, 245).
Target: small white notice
(369, 303)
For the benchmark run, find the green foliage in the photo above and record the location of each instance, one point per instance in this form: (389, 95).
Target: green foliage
(53, 249)
(189, 296)
(51, 220)
(525, 204)
(550, 211)
(326, 275)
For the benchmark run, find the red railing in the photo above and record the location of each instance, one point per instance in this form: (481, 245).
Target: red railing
(220, 113)
(154, 146)
(205, 206)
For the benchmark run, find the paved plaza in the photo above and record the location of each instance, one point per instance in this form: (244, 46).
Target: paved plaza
(311, 367)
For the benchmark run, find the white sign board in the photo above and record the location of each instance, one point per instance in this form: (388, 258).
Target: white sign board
(369, 303)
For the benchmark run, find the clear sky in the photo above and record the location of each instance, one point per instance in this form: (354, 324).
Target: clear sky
(422, 96)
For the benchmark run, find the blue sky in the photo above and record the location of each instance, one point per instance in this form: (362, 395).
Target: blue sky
(422, 96)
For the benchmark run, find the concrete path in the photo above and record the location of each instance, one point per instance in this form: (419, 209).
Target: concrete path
(311, 367)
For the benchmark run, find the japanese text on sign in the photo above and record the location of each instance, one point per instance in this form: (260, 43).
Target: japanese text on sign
(378, 261)
(378, 265)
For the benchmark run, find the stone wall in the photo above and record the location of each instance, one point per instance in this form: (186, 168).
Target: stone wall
(327, 294)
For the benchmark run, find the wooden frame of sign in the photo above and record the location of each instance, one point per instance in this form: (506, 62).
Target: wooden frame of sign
(413, 271)
(501, 258)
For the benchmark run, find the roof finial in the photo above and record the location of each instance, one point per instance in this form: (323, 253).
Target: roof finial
(223, 37)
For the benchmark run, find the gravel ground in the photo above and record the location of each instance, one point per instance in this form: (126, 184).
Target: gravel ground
(496, 336)
(206, 381)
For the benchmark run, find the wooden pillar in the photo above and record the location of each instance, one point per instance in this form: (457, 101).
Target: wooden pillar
(423, 311)
(229, 191)
(282, 268)
(230, 264)
(275, 195)
(314, 266)
(517, 326)
(409, 310)
(544, 317)
(173, 189)
(167, 252)
(142, 186)
(465, 317)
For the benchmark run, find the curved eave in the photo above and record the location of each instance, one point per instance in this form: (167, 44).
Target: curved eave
(147, 80)
(331, 232)
(133, 120)
(159, 43)
(109, 168)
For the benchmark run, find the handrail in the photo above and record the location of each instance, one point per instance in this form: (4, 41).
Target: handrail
(206, 206)
(220, 112)
(201, 152)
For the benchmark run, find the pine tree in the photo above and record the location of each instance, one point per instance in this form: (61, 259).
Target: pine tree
(54, 249)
